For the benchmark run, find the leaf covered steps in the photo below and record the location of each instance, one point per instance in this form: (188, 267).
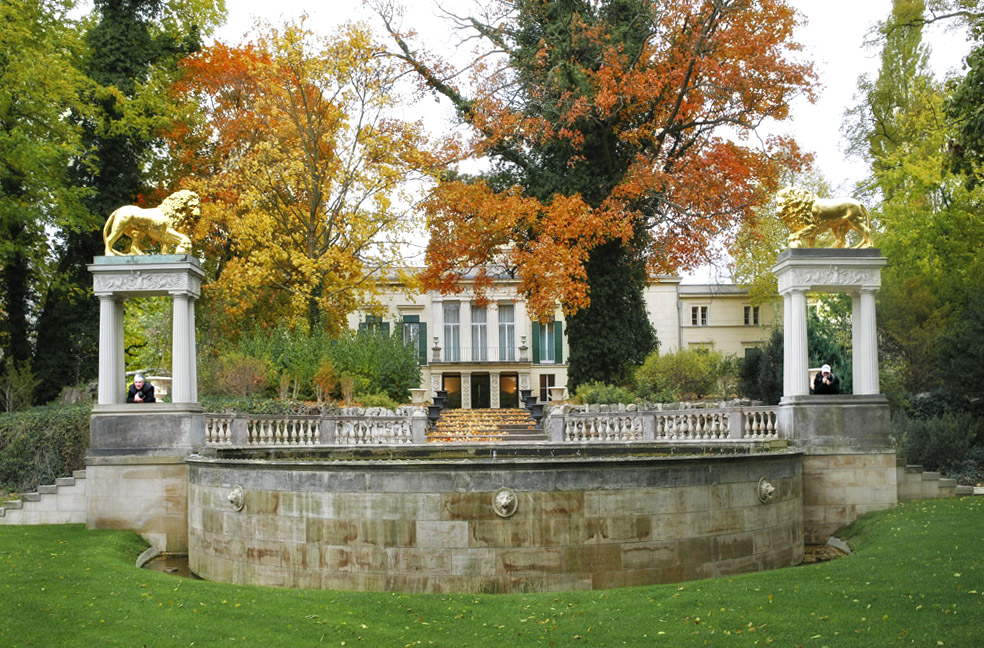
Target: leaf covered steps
(481, 425)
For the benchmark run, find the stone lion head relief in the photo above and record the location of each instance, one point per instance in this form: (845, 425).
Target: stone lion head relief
(808, 216)
(154, 225)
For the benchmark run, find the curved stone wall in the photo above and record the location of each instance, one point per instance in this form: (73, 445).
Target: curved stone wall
(432, 525)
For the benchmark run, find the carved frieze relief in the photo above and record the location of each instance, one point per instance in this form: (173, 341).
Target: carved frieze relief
(829, 277)
(139, 281)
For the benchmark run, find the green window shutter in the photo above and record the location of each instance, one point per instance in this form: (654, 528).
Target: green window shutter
(422, 342)
(558, 342)
(536, 343)
(384, 327)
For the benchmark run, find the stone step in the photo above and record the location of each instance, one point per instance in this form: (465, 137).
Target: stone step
(48, 489)
(65, 481)
(930, 475)
(964, 490)
(31, 497)
(78, 474)
(913, 469)
(13, 504)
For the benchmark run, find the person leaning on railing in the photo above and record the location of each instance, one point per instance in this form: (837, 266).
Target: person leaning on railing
(140, 391)
(826, 382)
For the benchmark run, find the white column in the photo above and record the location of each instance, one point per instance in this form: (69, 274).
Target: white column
(111, 384)
(192, 351)
(856, 341)
(866, 345)
(181, 338)
(787, 361)
(798, 367)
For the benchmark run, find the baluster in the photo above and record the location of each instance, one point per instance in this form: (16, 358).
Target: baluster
(771, 428)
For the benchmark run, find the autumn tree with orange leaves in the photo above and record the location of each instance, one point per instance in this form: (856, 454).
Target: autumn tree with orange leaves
(305, 173)
(623, 145)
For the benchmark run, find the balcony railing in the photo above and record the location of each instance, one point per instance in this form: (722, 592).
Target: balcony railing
(479, 354)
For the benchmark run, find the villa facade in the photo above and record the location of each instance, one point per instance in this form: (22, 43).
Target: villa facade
(483, 355)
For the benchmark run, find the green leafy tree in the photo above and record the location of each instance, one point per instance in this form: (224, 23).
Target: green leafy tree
(39, 84)
(132, 47)
(928, 217)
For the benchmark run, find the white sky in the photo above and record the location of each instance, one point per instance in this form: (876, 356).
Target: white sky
(832, 36)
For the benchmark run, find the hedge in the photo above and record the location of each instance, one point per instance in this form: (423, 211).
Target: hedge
(39, 444)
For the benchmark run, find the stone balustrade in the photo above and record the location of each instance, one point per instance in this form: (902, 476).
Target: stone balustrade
(348, 429)
(616, 423)
(566, 424)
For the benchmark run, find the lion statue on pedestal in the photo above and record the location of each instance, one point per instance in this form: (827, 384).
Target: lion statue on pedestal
(806, 216)
(157, 224)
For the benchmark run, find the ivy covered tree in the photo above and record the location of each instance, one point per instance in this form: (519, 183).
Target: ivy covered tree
(604, 123)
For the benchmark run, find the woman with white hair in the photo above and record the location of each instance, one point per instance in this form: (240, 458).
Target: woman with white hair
(140, 391)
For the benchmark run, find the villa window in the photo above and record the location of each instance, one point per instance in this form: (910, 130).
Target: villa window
(374, 324)
(546, 382)
(698, 315)
(548, 343)
(751, 315)
(414, 334)
(452, 332)
(479, 334)
(507, 332)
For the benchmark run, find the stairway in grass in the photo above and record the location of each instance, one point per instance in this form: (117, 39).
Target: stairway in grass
(482, 425)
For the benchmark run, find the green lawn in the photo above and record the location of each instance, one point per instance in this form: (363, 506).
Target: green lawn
(917, 579)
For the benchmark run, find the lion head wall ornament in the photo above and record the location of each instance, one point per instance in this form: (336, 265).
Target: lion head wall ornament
(807, 216)
(157, 224)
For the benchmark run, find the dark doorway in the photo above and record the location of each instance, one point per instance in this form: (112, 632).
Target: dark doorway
(452, 385)
(481, 393)
(509, 391)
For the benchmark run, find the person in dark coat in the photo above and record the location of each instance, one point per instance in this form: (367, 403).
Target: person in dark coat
(140, 391)
(826, 382)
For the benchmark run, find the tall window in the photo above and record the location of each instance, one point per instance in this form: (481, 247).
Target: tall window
(414, 334)
(547, 355)
(546, 382)
(698, 315)
(751, 315)
(507, 332)
(479, 334)
(452, 332)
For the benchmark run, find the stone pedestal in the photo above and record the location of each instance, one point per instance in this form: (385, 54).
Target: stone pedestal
(136, 469)
(849, 465)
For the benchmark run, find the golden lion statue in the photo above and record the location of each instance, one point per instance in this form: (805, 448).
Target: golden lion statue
(157, 224)
(806, 216)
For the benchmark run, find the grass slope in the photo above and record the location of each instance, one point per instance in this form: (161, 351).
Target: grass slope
(917, 579)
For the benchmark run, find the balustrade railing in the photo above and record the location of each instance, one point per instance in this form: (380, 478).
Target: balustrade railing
(309, 431)
(740, 424)
(730, 424)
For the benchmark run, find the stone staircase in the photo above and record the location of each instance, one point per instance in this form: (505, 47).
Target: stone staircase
(916, 483)
(60, 503)
(485, 425)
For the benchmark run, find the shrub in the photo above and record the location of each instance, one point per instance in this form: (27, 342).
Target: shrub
(238, 374)
(939, 442)
(598, 392)
(686, 374)
(326, 381)
(17, 385)
(377, 400)
(40, 444)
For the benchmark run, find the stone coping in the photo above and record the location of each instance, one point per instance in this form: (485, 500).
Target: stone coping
(133, 460)
(825, 400)
(137, 409)
(526, 455)
(145, 259)
(827, 254)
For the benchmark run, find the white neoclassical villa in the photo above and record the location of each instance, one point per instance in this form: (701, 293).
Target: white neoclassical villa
(483, 355)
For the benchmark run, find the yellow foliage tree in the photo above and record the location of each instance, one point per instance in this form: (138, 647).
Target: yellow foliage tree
(307, 176)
